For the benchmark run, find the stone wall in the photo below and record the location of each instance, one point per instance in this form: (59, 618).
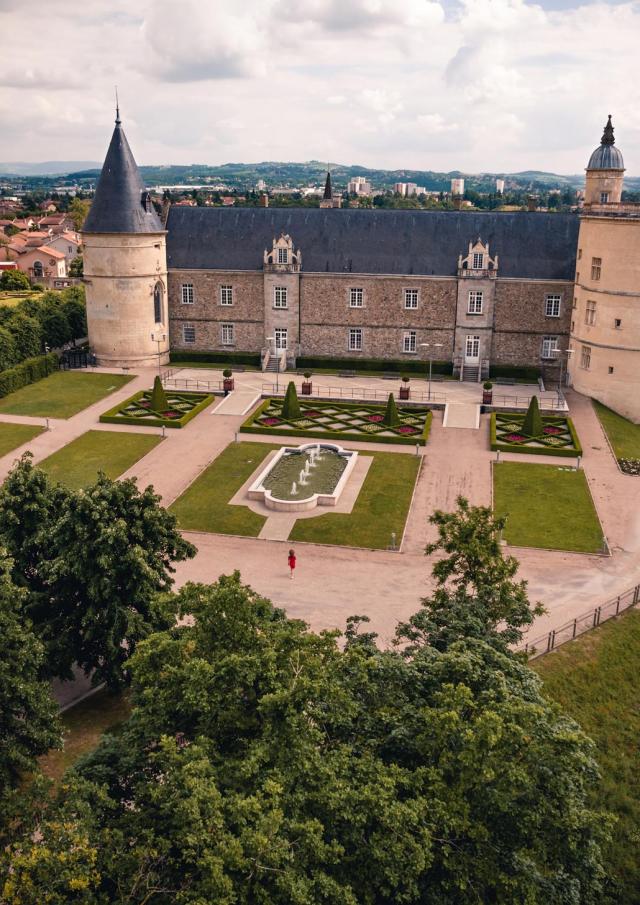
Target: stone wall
(520, 321)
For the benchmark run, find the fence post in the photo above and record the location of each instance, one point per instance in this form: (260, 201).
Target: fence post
(575, 627)
(636, 593)
(595, 617)
(618, 605)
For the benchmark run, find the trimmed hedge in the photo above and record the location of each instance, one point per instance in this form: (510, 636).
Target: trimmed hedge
(28, 371)
(567, 452)
(238, 358)
(375, 364)
(111, 416)
(513, 371)
(248, 427)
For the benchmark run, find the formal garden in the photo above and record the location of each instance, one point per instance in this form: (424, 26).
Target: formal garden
(623, 436)
(330, 420)
(158, 407)
(547, 506)
(380, 510)
(534, 433)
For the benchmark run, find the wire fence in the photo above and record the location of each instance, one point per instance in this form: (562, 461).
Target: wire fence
(581, 624)
(358, 393)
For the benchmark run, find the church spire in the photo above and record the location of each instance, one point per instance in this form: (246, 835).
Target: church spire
(328, 193)
(607, 135)
(121, 204)
(118, 120)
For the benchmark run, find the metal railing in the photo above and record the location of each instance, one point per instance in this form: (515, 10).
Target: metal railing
(523, 402)
(581, 624)
(191, 383)
(358, 393)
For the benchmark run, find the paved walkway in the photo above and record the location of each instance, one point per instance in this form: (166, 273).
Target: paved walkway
(237, 403)
(462, 414)
(333, 582)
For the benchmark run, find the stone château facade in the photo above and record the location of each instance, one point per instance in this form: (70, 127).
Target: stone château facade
(479, 290)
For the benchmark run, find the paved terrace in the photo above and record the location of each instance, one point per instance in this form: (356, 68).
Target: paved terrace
(334, 582)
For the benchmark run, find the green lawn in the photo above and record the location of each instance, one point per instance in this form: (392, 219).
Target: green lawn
(14, 435)
(113, 452)
(624, 435)
(204, 504)
(62, 394)
(382, 507)
(83, 727)
(10, 299)
(596, 679)
(547, 506)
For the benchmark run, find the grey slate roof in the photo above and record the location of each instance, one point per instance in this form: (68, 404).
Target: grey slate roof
(119, 202)
(529, 245)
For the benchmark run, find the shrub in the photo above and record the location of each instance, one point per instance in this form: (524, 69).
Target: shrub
(8, 349)
(27, 334)
(307, 375)
(12, 280)
(512, 371)
(391, 416)
(291, 406)
(29, 371)
(159, 402)
(374, 364)
(238, 358)
(406, 379)
(487, 385)
(227, 373)
(532, 424)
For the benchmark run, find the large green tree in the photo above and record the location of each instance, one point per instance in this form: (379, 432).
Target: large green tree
(264, 763)
(97, 565)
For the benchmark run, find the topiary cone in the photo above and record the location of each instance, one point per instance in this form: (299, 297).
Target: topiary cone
(532, 424)
(159, 401)
(391, 416)
(291, 406)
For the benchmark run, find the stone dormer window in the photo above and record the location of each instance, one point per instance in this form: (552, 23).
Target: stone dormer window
(478, 261)
(283, 257)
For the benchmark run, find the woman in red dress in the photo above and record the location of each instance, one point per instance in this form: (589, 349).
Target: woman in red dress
(292, 562)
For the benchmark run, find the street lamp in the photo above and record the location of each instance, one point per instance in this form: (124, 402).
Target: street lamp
(272, 339)
(560, 353)
(430, 346)
(158, 337)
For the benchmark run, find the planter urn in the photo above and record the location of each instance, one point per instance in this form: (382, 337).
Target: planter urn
(405, 392)
(487, 397)
(307, 386)
(227, 384)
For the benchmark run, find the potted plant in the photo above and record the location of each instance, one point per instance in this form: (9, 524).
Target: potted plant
(487, 394)
(227, 383)
(306, 384)
(404, 389)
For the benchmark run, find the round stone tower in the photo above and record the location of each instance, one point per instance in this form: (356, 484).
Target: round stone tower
(125, 266)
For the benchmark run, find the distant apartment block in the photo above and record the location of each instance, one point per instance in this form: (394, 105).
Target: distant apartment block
(457, 186)
(359, 186)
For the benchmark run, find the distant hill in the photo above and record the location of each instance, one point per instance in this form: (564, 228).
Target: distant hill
(46, 168)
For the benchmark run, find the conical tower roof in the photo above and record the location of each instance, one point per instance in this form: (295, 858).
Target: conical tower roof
(328, 193)
(120, 204)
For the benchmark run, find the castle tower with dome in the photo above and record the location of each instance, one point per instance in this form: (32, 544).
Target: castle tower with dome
(604, 359)
(125, 265)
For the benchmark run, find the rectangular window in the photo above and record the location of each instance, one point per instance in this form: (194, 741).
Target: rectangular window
(579, 253)
(617, 323)
(188, 333)
(226, 295)
(411, 298)
(475, 301)
(610, 369)
(356, 298)
(283, 256)
(355, 339)
(410, 341)
(604, 197)
(478, 260)
(280, 296)
(552, 305)
(590, 314)
(187, 293)
(549, 347)
(227, 334)
(596, 268)
(281, 338)
(585, 358)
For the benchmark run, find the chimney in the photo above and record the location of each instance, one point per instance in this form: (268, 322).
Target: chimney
(264, 201)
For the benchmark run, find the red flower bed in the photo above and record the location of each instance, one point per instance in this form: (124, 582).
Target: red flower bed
(269, 422)
(311, 414)
(172, 414)
(375, 418)
(407, 429)
(550, 429)
(514, 438)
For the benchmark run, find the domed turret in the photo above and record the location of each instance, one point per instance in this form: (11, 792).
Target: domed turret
(604, 171)
(606, 156)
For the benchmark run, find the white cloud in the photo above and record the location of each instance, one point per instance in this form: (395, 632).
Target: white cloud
(495, 85)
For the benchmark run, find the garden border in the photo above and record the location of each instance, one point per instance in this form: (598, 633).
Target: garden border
(420, 439)
(110, 416)
(565, 453)
(606, 437)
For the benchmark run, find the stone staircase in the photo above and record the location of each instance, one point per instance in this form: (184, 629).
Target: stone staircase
(272, 365)
(470, 373)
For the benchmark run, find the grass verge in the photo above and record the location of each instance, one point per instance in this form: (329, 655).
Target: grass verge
(77, 464)
(547, 506)
(596, 679)
(204, 506)
(624, 435)
(381, 508)
(14, 435)
(84, 725)
(62, 394)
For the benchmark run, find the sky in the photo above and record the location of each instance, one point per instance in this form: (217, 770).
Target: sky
(474, 85)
